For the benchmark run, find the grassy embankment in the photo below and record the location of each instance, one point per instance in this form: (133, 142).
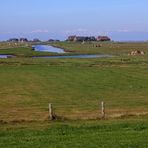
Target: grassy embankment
(115, 48)
(75, 87)
(20, 49)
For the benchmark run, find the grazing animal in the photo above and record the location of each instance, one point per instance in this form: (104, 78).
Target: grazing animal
(136, 52)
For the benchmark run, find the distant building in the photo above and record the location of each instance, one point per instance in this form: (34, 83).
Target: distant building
(103, 38)
(23, 40)
(81, 38)
(91, 38)
(13, 40)
(71, 38)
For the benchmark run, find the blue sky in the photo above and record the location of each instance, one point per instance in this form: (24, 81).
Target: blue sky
(44, 19)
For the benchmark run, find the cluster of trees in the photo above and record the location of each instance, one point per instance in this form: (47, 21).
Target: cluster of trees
(70, 38)
(26, 40)
(20, 40)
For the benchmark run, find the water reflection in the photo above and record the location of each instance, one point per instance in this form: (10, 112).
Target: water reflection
(47, 48)
(5, 56)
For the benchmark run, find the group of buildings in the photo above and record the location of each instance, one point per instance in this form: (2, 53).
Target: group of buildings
(73, 38)
(18, 40)
(87, 38)
(22, 40)
(26, 40)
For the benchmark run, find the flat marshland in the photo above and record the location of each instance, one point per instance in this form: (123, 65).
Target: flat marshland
(76, 88)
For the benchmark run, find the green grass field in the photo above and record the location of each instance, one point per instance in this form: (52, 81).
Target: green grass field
(115, 48)
(76, 88)
(131, 133)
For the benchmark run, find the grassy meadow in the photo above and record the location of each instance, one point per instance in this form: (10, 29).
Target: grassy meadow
(115, 48)
(76, 88)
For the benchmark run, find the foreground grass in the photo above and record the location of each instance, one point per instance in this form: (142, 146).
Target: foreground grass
(132, 133)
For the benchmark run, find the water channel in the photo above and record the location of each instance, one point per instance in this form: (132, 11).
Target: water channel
(51, 49)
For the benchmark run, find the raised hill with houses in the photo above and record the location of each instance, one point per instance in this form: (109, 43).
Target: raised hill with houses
(74, 38)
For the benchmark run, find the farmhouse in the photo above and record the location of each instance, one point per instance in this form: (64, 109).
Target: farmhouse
(103, 38)
(13, 40)
(18, 40)
(23, 40)
(75, 38)
(81, 38)
(71, 38)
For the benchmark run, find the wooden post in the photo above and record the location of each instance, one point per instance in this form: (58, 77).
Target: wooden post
(50, 112)
(102, 110)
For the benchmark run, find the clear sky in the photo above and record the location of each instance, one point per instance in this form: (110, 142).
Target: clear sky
(45, 19)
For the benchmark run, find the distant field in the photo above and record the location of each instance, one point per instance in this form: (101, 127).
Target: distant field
(114, 48)
(76, 88)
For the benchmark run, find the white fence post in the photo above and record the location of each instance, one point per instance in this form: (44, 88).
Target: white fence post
(102, 110)
(50, 112)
